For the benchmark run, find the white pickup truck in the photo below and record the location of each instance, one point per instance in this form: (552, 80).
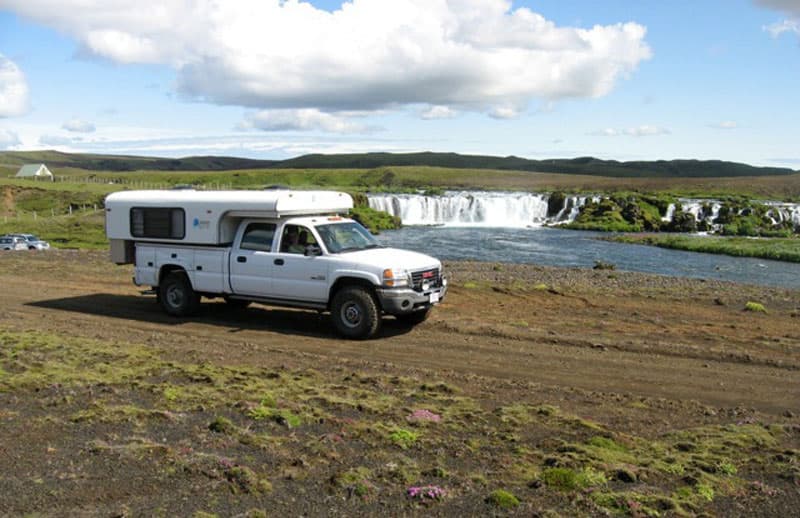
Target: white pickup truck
(280, 247)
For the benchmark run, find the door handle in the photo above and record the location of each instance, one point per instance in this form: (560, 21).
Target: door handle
(279, 262)
(241, 259)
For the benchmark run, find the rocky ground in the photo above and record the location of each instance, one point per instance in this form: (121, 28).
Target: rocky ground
(530, 390)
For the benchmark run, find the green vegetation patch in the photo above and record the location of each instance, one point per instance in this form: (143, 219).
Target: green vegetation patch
(778, 249)
(503, 499)
(755, 307)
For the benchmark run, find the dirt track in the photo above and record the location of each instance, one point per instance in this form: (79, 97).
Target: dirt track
(606, 332)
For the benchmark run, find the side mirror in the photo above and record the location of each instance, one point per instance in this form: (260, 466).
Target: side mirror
(312, 250)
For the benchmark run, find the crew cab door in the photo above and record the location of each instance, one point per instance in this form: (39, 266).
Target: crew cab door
(296, 276)
(251, 260)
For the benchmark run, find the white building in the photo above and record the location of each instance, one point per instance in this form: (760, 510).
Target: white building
(35, 171)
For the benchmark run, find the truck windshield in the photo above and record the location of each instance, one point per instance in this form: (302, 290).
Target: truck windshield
(346, 237)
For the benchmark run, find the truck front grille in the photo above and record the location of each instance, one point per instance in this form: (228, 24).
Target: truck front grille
(432, 278)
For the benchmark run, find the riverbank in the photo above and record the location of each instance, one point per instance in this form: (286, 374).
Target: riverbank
(777, 249)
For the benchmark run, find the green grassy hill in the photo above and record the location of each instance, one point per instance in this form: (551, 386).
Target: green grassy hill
(579, 166)
(129, 163)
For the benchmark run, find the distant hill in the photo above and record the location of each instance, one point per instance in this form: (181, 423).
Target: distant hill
(131, 163)
(583, 165)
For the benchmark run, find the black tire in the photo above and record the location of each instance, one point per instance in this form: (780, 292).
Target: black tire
(355, 313)
(417, 317)
(236, 303)
(177, 296)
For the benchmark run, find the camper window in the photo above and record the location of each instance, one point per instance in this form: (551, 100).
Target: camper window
(158, 223)
(258, 236)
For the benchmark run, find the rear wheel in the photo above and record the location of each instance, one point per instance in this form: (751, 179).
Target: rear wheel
(355, 313)
(417, 317)
(177, 296)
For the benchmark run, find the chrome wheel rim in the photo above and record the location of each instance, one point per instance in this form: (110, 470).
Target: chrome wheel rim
(175, 296)
(351, 314)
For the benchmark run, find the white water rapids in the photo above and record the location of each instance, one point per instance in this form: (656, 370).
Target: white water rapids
(474, 209)
(522, 209)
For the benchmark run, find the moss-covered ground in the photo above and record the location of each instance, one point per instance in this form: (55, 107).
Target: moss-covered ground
(93, 427)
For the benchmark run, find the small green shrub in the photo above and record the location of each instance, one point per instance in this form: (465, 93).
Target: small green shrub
(222, 425)
(566, 479)
(503, 499)
(705, 491)
(403, 438)
(606, 443)
(560, 478)
(755, 307)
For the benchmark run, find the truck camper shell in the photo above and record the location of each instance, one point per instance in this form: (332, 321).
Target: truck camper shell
(207, 218)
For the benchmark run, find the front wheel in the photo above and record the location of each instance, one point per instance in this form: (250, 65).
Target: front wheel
(355, 313)
(177, 296)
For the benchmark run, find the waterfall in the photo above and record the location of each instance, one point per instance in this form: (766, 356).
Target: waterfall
(475, 208)
(670, 213)
(780, 212)
(523, 209)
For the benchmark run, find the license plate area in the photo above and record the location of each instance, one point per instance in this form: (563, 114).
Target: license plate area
(434, 297)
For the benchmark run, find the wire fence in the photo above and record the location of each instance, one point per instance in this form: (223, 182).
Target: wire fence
(35, 215)
(82, 209)
(140, 184)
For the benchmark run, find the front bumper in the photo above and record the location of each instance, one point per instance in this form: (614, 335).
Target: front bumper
(396, 301)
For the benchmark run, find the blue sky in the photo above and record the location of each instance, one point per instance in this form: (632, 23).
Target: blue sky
(625, 80)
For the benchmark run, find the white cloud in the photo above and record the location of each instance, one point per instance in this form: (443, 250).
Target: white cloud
(639, 131)
(606, 132)
(438, 112)
(8, 139)
(776, 29)
(55, 140)
(646, 131)
(480, 55)
(307, 119)
(504, 112)
(788, 7)
(76, 125)
(726, 125)
(13, 89)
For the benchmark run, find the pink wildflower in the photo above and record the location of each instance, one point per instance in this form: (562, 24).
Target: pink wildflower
(424, 415)
(425, 493)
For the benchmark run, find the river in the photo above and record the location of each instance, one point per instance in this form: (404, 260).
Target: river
(558, 247)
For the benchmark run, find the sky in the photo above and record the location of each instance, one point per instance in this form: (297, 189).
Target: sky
(614, 79)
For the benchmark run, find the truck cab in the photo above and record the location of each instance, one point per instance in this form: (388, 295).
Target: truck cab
(310, 257)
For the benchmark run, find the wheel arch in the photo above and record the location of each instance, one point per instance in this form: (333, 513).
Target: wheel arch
(171, 268)
(345, 281)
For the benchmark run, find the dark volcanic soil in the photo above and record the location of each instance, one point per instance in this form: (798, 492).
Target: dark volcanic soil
(640, 358)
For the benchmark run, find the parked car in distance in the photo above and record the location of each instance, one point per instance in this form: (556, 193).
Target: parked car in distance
(12, 243)
(32, 241)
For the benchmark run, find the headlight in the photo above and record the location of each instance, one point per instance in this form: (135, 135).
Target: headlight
(396, 278)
